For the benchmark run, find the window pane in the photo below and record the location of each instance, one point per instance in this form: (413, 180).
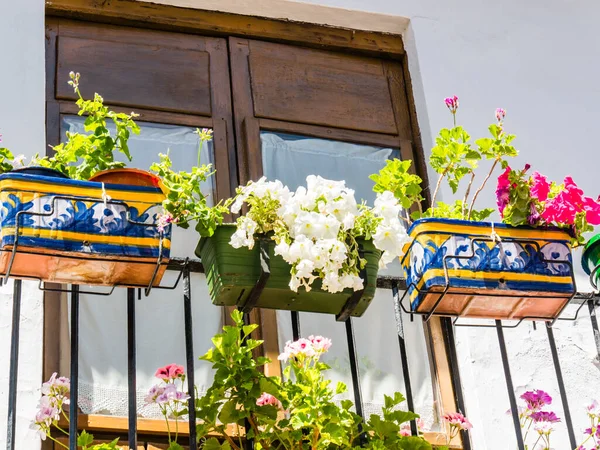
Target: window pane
(159, 317)
(291, 158)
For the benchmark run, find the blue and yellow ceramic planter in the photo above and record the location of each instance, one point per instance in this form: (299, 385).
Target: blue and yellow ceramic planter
(71, 231)
(485, 270)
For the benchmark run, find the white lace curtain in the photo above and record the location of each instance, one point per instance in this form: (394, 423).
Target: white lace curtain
(159, 319)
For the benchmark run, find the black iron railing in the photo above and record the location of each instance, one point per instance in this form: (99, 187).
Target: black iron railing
(186, 267)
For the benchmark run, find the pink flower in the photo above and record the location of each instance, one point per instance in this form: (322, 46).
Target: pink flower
(320, 343)
(592, 210)
(405, 428)
(153, 394)
(545, 416)
(163, 221)
(268, 400)
(302, 347)
(540, 187)
(536, 399)
(169, 372)
(503, 191)
(563, 208)
(500, 114)
(594, 409)
(452, 103)
(457, 420)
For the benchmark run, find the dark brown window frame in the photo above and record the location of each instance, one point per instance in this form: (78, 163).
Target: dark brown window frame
(211, 23)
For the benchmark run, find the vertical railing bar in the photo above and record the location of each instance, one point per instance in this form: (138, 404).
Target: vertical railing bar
(561, 386)
(358, 404)
(509, 385)
(594, 319)
(248, 443)
(131, 369)
(74, 374)
(404, 356)
(295, 325)
(448, 332)
(14, 366)
(189, 353)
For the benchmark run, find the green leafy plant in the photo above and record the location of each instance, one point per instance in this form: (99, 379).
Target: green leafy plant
(185, 200)
(83, 155)
(297, 412)
(454, 158)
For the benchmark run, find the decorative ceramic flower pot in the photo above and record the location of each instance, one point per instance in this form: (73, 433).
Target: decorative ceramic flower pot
(232, 274)
(65, 231)
(590, 260)
(485, 270)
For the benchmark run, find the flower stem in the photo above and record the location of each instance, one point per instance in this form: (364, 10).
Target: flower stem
(437, 188)
(467, 194)
(58, 442)
(481, 187)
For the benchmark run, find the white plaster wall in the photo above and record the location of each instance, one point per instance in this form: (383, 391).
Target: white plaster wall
(22, 119)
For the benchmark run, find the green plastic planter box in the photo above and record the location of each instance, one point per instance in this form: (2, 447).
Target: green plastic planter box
(232, 273)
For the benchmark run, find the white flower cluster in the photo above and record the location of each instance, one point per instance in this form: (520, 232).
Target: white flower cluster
(316, 229)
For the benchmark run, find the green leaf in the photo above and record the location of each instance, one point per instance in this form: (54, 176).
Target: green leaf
(84, 439)
(229, 413)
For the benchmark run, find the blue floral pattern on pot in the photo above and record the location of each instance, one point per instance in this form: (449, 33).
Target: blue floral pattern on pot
(113, 220)
(485, 255)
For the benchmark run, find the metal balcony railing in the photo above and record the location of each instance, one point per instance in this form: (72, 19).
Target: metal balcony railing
(185, 267)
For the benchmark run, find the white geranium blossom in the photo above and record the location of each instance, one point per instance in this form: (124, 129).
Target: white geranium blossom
(316, 228)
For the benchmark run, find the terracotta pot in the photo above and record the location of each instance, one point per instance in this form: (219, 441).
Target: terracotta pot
(231, 274)
(67, 233)
(128, 177)
(527, 274)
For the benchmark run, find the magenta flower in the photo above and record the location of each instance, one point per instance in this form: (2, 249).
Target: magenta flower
(301, 347)
(536, 399)
(500, 114)
(540, 187)
(545, 416)
(594, 409)
(268, 400)
(452, 103)
(163, 221)
(503, 191)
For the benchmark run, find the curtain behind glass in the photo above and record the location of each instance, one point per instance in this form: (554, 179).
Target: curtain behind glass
(291, 159)
(159, 317)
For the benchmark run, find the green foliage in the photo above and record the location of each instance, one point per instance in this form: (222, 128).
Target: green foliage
(454, 211)
(453, 157)
(5, 157)
(384, 431)
(86, 441)
(518, 208)
(307, 416)
(396, 178)
(185, 200)
(85, 154)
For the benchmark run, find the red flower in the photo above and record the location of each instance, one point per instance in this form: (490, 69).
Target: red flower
(169, 372)
(503, 191)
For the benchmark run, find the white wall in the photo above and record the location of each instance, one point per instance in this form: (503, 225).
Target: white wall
(22, 119)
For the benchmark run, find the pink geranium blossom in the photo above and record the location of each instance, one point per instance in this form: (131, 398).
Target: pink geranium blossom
(545, 416)
(320, 343)
(458, 420)
(540, 187)
(500, 114)
(268, 400)
(452, 103)
(503, 191)
(170, 372)
(536, 399)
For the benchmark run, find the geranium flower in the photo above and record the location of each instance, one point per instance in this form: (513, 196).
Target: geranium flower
(452, 103)
(503, 191)
(540, 187)
(545, 416)
(170, 372)
(458, 420)
(536, 399)
(268, 400)
(500, 114)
